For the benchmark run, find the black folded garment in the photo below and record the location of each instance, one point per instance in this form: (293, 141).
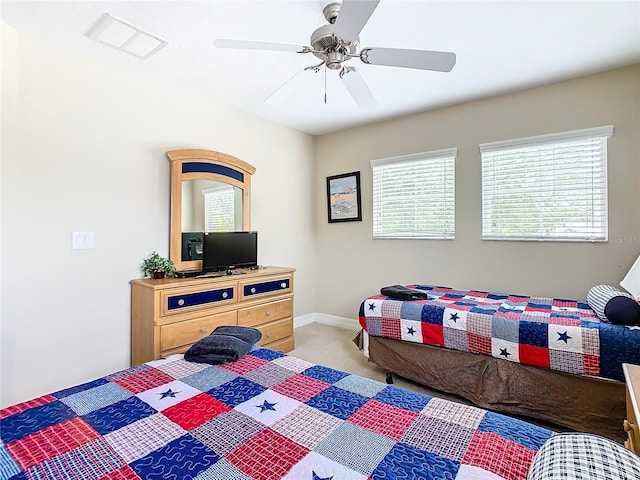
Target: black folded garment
(248, 334)
(217, 348)
(403, 293)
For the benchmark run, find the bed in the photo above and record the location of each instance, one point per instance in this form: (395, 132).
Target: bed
(545, 358)
(265, 417)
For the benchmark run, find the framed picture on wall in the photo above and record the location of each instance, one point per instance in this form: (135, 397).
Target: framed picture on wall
(343, 198)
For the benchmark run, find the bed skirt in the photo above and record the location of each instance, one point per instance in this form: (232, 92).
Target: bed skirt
(586, 404)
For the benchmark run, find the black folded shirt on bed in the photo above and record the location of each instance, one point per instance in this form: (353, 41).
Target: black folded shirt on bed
(225, 344)
(403, 293)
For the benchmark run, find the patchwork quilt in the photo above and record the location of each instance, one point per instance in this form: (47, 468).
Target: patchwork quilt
(267, 416)
(558, 334)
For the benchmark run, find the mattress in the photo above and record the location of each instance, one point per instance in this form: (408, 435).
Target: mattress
(267, 416)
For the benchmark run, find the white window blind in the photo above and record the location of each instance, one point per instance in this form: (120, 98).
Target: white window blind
(549, 187)
(413, 195)
(219, 209)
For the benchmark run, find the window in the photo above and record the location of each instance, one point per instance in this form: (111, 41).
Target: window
(549, 187)
(219, 213)
(413, 195)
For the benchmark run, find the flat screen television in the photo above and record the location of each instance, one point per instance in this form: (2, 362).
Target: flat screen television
(224, 250)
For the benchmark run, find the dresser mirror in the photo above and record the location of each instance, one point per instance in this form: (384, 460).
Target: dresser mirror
(210, 191)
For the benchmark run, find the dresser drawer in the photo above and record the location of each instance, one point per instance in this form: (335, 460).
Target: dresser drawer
(176, 301)
(254, 288)
(185, 333)
(275, 331)
(285, 345)
(267, 312)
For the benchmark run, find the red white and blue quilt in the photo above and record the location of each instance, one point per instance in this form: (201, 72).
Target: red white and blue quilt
(554, 333)
(267, 416)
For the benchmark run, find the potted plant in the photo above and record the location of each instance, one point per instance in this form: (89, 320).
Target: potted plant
(156, 266)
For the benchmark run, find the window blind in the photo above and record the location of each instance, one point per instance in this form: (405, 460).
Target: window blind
(413, 195)
(219, 209)
(549, 187)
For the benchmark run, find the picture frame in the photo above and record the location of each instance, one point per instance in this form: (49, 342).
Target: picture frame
(343, 198)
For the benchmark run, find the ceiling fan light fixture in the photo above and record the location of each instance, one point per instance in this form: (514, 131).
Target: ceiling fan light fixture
(334, 59)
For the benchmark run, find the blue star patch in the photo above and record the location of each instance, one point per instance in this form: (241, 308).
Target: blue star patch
(267, 406)
(410, 330)
(454, 317)
(564, 336)
(316, 477)
(504, 353)
(168, 393)
(372, 306)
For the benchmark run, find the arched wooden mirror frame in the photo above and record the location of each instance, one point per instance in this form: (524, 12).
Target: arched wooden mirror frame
(195, 164)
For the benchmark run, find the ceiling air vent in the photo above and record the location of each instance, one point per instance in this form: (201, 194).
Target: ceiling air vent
(125, 37)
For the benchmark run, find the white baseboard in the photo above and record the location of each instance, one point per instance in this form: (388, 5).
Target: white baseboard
(303, 320)
(327, 319)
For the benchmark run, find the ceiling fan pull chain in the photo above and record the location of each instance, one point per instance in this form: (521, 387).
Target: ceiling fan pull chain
(325, 84)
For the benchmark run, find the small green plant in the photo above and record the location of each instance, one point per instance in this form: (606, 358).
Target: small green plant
(156, 266)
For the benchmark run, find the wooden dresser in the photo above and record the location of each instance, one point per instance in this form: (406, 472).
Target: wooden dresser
(632, 379)
(169, 315)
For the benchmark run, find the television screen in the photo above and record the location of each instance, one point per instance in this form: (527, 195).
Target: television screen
(223, 250)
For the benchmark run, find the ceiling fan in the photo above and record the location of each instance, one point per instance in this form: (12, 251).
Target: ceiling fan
(337, 43)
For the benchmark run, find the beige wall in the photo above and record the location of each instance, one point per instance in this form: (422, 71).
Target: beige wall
(351, 265)
(83, 149)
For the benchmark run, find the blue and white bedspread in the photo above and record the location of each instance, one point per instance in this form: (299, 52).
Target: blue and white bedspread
(559, 334)
(267, 416)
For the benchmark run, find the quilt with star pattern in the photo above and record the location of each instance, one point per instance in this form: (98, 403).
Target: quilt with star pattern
(559, 334)
(267, 416)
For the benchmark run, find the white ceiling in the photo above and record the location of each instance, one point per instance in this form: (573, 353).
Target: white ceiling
(501, 46)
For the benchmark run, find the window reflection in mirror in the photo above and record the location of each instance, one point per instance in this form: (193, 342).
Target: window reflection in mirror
(211, 206)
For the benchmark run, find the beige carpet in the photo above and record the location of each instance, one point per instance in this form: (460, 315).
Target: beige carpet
(333, 347)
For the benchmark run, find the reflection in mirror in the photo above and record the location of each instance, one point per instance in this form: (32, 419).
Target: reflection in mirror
(211, 206)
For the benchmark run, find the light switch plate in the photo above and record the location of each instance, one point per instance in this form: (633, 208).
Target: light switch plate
(82, 240)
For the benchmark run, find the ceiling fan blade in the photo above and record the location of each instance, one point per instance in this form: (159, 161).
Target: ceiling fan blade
(253, 45)
(352, 18)
(400, 57)
(281, 92)
(358, 89)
